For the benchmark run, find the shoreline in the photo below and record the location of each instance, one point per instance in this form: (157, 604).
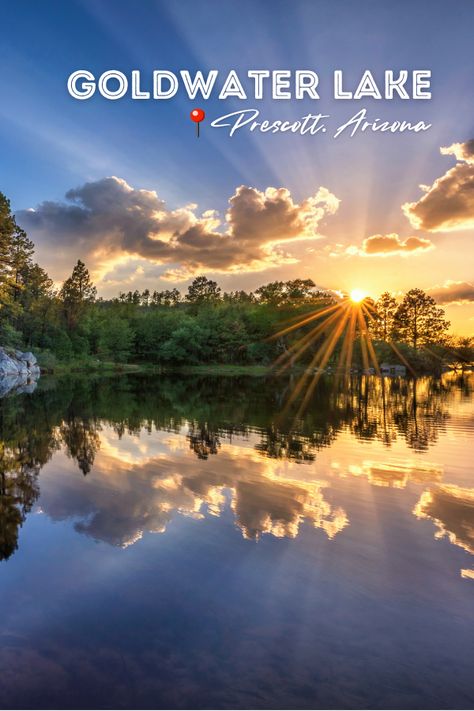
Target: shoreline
(219, 369)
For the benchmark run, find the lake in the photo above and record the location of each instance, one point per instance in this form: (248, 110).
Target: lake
(189, 542)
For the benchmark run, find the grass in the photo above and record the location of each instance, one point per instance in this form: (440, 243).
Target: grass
(224, 369)
(88, 366)
(106, 368)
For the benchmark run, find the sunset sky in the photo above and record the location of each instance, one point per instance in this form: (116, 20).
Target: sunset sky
(127, 187)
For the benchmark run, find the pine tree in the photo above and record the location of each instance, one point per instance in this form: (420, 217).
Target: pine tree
(382, 325)
(76, 293)
(20, 260)
(16, 252)
(203, 290)
(419, 321)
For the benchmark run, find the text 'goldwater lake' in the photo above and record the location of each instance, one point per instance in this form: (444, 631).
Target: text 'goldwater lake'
(178, 542)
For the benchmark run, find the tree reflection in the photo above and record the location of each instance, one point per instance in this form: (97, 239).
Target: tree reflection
(210, 412)
(82, 441)
(386, 409)
(202, 439)
(19, 490)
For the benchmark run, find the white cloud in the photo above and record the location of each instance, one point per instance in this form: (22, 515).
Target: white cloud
(448, 204)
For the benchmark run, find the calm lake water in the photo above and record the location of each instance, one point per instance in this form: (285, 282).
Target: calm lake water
(177, 542)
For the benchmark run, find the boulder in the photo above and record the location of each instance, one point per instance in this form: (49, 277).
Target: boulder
(8, 365)
(27, 357)
(18, 372)
(27, 387)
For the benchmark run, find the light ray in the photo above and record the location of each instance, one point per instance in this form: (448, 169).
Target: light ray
(349, 319)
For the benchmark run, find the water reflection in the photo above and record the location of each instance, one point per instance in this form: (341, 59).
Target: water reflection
(394, 474)
(18, 492)
(222, 443)
(451, 509)
(129, 498)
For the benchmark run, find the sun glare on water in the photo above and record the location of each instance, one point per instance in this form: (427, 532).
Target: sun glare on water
(357, 295)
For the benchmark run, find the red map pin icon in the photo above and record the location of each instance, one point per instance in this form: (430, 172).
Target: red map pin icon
(197, 115)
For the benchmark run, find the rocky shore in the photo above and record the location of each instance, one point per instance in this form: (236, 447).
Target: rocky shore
(19, 371)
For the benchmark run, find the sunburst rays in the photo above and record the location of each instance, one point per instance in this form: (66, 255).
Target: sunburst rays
(337, 326)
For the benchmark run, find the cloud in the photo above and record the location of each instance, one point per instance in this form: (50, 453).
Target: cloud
(453, 292)
(451, 509)
(134, 491)
(389, 245)
(395, 474)
(108, 220)
(448, 204)
(462, 151)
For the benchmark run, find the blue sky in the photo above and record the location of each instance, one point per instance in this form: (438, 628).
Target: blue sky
(51, 143)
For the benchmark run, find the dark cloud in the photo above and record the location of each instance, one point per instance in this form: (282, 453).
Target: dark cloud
(453, 292)
(108, 219)
(448, 204)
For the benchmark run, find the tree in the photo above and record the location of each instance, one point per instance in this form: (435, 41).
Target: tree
(203, 290)
(8, 228)
(76, 293)
(188, 343)
(382, 324)
(82, 440)
(116, 339)
(418, 320)
(37, 282)
(292, 291)
(20, 261)
(16, 251)
(272, 293)
(239, 297)
(299, 289)
(463, 351)
(168, 297)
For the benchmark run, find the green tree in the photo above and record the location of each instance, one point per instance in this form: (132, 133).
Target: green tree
(272, 293)
(16, 251)
(299, 289)
(239, 296)
(418, 320)
(168, 297)
(20, 261)
(189, 343)
(76, 293)
(116, 340)
(203, 290)
(294, 291)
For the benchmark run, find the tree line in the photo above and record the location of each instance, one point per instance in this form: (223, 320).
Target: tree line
(205, 325)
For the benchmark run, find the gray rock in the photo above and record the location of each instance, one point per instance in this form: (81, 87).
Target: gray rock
(18, 372)
(28, 387)
(8, 365)
(27, 358)
(7, 384)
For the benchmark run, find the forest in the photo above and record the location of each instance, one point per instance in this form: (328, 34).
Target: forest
(71, 326)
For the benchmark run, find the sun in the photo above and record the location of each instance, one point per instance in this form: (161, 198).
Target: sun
(357, 295)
